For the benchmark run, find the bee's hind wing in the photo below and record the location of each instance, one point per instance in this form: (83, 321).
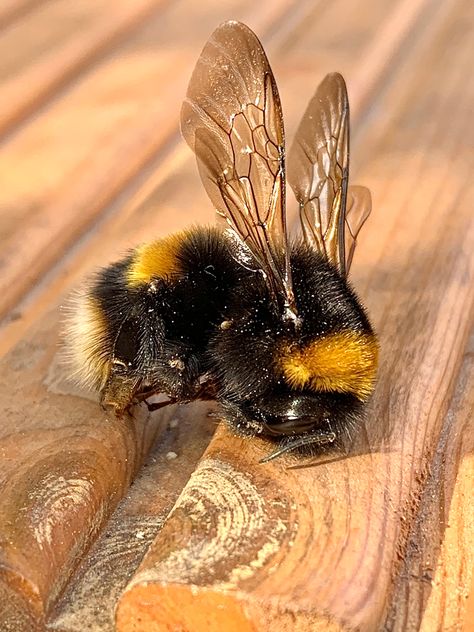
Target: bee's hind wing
(358, 208)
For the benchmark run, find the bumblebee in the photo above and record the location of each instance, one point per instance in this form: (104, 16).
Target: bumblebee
(266, 325)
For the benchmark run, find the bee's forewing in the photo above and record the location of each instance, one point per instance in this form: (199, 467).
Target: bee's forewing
(232, 120)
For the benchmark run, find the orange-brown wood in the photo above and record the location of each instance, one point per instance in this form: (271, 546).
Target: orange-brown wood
(64, 466)
(11, 10)
(90, 599)
(378, 539)
(346, 533)
(55, 42)
(439, 570)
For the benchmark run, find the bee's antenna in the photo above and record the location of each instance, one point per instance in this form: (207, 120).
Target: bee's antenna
(313, 439)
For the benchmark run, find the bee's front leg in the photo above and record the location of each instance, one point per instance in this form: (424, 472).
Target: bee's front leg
(118, 393)
(158, 405)
(143, 396)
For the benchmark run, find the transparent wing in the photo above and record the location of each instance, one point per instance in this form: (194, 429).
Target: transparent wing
(232, 120)
(359, 206)
(318, 169)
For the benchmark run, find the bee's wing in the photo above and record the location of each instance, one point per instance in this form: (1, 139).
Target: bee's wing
(232, 120)
(318, 172)
(359, 206)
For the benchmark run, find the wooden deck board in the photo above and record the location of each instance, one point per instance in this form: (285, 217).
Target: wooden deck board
(71, 147)
(64, 167)
(378, 496)
(53, 43)
(90, 599)
(11, 10)
(434, 582)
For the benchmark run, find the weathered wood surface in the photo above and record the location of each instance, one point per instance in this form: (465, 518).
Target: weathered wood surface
(437, 568)
(56, 41)
(382, 517)
(89, 602)
(67, 164)
(339, 546)
(11, 10)
(64, 466)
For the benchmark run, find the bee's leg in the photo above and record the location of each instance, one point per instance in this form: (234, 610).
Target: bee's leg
(158, 405)
(142, 397)
(118, 394)
(319, 439)
(206, 391)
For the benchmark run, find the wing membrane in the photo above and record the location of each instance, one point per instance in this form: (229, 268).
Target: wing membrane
(318, 169)
(232, 120)
(359, 206)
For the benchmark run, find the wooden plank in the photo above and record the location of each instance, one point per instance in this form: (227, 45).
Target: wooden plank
(11, 10)
(468, 625)
(341, 36)
(437, 590)
(262, 547)
(64, 466)
(73, 159)
(65, 446)
(55, 42)
(89, 602)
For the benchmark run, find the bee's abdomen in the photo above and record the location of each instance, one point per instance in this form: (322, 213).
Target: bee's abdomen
(341, 362)
(338, 350)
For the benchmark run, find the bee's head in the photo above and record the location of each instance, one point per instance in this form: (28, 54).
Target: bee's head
(100, 353)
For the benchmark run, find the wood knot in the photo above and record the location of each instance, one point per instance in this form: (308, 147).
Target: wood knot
(223, 530)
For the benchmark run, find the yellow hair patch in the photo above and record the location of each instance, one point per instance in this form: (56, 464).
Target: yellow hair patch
(345, 362)
(156, 259)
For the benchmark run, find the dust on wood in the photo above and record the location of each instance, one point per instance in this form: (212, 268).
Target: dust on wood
(90, 599)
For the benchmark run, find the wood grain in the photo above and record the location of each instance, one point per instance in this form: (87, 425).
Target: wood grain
(360, 542)
(71, 161)
(346, 528)
(54, 43)
(64, 466)
(437, 590)
(89, 602)
(11, 10)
